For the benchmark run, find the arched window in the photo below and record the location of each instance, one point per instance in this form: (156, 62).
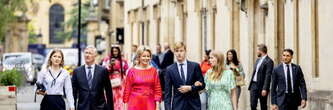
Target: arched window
(56, 20)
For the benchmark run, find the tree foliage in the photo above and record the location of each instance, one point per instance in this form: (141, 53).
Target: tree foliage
(72, 24)
(7, 16)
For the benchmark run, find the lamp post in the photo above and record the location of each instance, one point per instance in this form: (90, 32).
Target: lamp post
(79, 35)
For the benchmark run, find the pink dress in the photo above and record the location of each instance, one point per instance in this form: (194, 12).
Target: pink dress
(142, 89)
(116, 91)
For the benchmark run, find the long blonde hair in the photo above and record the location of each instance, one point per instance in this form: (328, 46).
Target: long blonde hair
(139, 52)
(217, 70)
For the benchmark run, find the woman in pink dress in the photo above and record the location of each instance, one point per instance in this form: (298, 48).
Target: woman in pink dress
(142, 87)
(117, 67)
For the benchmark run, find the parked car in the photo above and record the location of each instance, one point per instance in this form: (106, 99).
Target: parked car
(23, 63)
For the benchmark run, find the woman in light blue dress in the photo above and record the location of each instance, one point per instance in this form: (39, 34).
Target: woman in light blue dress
(220, 84)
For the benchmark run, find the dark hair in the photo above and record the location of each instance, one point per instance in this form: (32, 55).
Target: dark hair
(49, 62)
(119, 52)
(234, 57)
(207, 52)
(117, 58)
(289, 51)
(262, 47)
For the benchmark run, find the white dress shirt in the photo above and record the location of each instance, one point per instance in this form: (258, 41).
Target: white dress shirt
(92, 69)
(62, 82)
(257, 68)
(184, 68)
(286, 77)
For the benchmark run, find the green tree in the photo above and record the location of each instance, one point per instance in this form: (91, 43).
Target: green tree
(72, 23)
(33, 39)
(7, 16)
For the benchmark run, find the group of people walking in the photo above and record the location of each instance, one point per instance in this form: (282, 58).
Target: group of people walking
(168, 80)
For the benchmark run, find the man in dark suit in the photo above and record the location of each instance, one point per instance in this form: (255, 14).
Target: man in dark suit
(261, 78)
(180, 91)
(89, 83)
(168, 57)
(288, 85)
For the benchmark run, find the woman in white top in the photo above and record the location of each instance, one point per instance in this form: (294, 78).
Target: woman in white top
(56, 81)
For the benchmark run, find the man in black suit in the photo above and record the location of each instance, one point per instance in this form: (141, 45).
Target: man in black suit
(168, 57)
(180, 91)
(288, 85)
(261, 78)
(89, 83)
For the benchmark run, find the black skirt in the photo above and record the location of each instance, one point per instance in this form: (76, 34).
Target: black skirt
(53, 102)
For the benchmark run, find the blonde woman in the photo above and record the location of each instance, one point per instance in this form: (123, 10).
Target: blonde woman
(142, 87)
(54, 79)
(220, 84)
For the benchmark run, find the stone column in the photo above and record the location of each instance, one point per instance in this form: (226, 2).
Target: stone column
(17, 37)
(211, 25)
(193, 38)
(92, 29)
(179, 27)
(223, 25)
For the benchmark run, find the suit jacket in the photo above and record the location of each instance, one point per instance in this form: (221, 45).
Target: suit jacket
(279, 85)
(94, 98)
(167, 60)
(263, 75)
(180, 101)
(156, 60)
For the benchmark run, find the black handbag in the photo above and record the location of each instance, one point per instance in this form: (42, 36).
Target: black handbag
(40, 87)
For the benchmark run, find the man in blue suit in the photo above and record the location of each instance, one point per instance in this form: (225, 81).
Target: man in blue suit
(89, 83)
(288, 85)
(180, 91)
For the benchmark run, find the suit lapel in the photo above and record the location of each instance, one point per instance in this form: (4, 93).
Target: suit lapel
(294, 72)
(262, 63)
(282, 72)
(96, 72)
(177, 74)
(84, 76)
(189, 71)
(255, 66)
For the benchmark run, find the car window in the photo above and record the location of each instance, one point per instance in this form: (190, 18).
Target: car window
(17, 60)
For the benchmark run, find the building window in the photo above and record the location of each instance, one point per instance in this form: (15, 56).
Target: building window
(106, 4)
(56, 20)
(147, 33)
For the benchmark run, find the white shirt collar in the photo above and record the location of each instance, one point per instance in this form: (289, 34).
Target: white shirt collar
(284, 64)
(185, 62)
(263, 57)
(92, 66)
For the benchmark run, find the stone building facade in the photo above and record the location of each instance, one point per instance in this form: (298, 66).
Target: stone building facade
(302, 25)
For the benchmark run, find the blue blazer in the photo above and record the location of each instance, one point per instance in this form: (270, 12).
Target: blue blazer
(94, 98)
(279, 85)
(180, 101)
